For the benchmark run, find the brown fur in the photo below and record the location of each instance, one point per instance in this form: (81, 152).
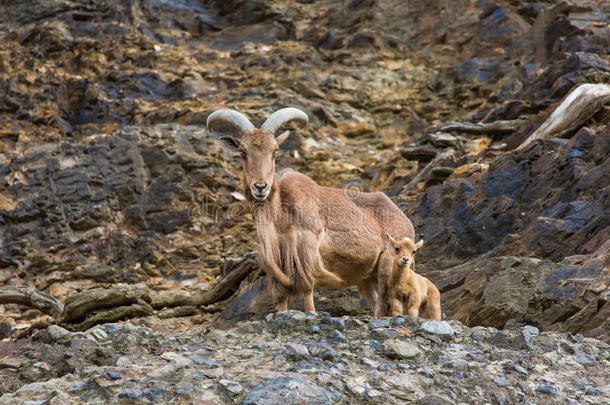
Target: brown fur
(312, 235)
(409, 292)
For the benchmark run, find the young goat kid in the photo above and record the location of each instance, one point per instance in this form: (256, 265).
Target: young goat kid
(409, 292)
(308, 234)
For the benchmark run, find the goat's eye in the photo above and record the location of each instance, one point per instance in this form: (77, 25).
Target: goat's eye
(396, 250)
(242, 154)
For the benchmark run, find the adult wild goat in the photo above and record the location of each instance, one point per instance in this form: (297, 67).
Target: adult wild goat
(308, 234)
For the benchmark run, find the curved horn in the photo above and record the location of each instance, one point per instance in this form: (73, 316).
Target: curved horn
(282, 116)
(232, 117)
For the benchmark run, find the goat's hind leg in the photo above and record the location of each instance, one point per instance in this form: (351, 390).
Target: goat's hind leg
(368, 290)
(309, 304)
(384, 268)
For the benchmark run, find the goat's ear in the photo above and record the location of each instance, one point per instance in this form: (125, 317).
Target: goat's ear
(280, 139)
(229, 140)
(419, 244)
(390, 238)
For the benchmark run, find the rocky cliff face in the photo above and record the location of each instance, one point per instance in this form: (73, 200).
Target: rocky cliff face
(108, 175)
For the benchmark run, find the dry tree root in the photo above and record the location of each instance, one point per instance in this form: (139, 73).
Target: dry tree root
(33, 298)
(575, 109)
(101, 305)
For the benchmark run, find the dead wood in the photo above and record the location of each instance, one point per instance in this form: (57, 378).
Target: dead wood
(100, 305)
(426, 172)
(492, 128)
(33, 298)
(576, 108)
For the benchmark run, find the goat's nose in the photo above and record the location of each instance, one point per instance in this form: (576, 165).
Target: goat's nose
(260, 187)
(404, 260)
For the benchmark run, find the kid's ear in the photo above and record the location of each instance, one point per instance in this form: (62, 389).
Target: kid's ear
(229, 140)
(391, 239)
(280, 139)
(419, 244)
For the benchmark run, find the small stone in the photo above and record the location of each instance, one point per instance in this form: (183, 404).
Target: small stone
(78, 386)
(404, 367)
(518, 368)
(112, 375)
(339, 366)
(336, 335)
(398, 349)
(438, 328)
(531, 329)
(123, 361)
(501, 381)
(379, 323)
(297, 351)
(336, 322)
(500, 399)
(399, 321)
(368, 362)
(131, 393)
(230, 387)
(57, 332)
(387, 367)
(585, 359)
(547, 389)
(478, 335)
(256, 346)
(435, 399)
(290, 391)
(203, 360)
(184, 389)
(385, 333)
(153, 393)
(314, 329)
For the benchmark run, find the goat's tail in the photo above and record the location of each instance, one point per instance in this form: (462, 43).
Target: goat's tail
(327, 279)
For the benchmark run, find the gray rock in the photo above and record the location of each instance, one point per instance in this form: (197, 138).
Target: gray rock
(290, 391)
(297, 351)
(123, 361)
(131, 393)
(379, 323)
(153, 393)
(531, 329)
(436, 399)
(441, 329)
(585, 359)
(203, 360)
(112, 375)
(547, 389)
(336, 335)
(399, 321)
(516, 367)
(399, 349)
(230, 387)
(57, 333)
(314, 329)
(385, 333)
(501, 381)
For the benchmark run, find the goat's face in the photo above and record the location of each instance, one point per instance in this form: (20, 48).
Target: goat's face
(404, 252)
(258, 150)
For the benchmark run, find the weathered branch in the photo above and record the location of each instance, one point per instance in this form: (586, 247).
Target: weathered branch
(577, 107)
(491, 128)
(88, 308)
(427, 171)
(33, 298)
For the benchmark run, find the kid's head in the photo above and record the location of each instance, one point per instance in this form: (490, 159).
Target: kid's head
(404, 251)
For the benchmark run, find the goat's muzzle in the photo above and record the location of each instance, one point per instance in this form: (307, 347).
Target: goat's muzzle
(260, 191)
(404, 260)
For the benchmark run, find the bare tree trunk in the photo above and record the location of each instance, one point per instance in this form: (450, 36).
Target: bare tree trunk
(576, 108)
(33, 298)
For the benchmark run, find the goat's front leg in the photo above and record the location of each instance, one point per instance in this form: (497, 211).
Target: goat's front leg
(309, 305)
(384, 268)
(283, 303)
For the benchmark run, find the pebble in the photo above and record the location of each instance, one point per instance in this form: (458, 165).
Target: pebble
(314, 329)
(531, 329)
(78, 386)
(203, 360)
(585, 359)
(297, 351)
(379, 323)
(131, 393)
(123, 361)
(398, 349)
(336, 322)
(399, 320)
(438, 328)
(547, 389)
(385, 333)
(57, 332)
(112, 375)
(501, 381)
(336, 335)
(230, 387)
(516, 367)
(153, 393)
(290, 390)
